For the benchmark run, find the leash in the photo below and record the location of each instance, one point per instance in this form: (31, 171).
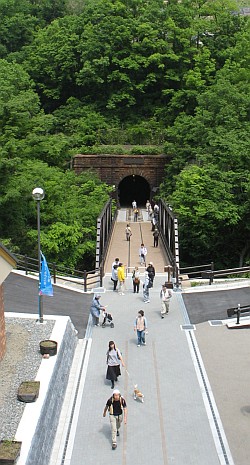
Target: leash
(130, 377)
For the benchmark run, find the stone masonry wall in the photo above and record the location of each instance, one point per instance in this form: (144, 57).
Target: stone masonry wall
(44, 436)
(2, 325)
(113, 168)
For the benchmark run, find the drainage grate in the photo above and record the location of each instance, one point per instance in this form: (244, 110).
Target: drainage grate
(188, 327)
(216, 323)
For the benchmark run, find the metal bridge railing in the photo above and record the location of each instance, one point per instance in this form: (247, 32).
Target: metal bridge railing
(168, 230)
(105, 225)
(87, 279)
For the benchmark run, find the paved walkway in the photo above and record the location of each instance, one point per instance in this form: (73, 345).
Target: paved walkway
(178, 422)
(128, 252)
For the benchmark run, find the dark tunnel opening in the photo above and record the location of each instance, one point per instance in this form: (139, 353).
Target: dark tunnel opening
(131, 188)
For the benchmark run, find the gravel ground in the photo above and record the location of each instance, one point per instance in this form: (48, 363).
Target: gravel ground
(20, 363)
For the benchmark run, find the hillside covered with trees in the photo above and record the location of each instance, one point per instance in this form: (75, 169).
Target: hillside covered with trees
(77, 75)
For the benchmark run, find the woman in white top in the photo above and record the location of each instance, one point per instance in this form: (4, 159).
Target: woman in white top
(142, 254)
(136, 280)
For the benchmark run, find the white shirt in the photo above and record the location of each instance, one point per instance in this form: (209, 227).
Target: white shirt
(165, 295)
(143, 251)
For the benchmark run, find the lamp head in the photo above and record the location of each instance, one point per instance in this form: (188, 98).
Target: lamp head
(38, 193)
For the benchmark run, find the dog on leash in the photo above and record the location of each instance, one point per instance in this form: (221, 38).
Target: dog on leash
(138, 394)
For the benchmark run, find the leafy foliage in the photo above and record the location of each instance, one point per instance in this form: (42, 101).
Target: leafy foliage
(80, 76)
(68, 212)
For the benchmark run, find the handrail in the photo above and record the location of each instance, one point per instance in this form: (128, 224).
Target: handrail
(210, 273)
(237, 311)
(88, 279)
(105, 224)
(209, 265)
(226, 272)
(108, 239)
(168, 231)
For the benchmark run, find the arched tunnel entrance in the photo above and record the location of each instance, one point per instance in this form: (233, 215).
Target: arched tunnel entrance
(131, 188)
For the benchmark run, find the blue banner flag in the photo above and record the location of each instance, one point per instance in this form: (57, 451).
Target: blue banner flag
(45, 279)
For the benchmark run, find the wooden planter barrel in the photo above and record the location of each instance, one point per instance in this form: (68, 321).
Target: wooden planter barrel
(48, 347)
(9, 452)
(28, 391)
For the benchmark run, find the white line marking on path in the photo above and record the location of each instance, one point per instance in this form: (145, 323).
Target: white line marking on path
(215, 423)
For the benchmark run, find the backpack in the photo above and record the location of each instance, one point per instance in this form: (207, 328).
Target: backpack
(111, 406)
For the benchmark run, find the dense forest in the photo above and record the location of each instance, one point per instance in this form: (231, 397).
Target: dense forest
(79, 75)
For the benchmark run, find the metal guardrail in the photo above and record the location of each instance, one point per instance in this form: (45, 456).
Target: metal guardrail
(105, 225)
(208, 272)
(237, 311)
(88, 279)
(197, 271)
(211, 274)
(168, 229)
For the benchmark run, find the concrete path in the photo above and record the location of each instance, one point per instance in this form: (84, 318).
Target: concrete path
(178, 422)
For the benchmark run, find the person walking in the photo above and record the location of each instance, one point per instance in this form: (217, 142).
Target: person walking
(140, 326)
(165, 296)
(148, 205)
(136, 280)
(115, 262)
(114, 361)
(114, 276)
(150, 213)
(117, 407)
(121, 278)
(156, 208)
(142, 254)
(153, 222)
(156, 237)
(128, 232)
(96, 309)
(151, 272)
(146, 286)
(136, 213)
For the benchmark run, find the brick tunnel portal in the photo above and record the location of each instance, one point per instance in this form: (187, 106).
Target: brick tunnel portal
(131, 188)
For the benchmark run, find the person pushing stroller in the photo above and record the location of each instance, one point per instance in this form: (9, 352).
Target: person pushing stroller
(107, 319)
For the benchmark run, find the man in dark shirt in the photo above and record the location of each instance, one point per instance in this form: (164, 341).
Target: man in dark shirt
(151, 272)
(117, 407)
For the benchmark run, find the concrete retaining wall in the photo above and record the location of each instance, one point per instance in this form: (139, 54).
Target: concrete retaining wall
(38, 426)
(2, 325)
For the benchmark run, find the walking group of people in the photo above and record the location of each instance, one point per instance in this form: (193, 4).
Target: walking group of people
(118, 277)
(116, 405)
(153, 216)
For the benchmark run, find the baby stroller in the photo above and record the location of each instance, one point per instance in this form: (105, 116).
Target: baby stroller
(107, 319)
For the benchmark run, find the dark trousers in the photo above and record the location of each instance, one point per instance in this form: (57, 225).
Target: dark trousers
(136, 286)
(156, 240)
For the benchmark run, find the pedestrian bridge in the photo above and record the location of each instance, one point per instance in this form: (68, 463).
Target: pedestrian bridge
(111, 239)
(128, 251)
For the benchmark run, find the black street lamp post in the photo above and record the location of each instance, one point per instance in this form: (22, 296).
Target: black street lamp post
(38, 195)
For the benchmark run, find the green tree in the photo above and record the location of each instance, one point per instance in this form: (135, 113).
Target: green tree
(68, 213)
(208, 213)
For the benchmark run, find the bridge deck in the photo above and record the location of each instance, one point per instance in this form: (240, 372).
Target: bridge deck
(141, 232)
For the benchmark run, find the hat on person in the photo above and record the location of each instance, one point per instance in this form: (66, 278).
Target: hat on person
(116, 391)
(98, 296)
(150, 263)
